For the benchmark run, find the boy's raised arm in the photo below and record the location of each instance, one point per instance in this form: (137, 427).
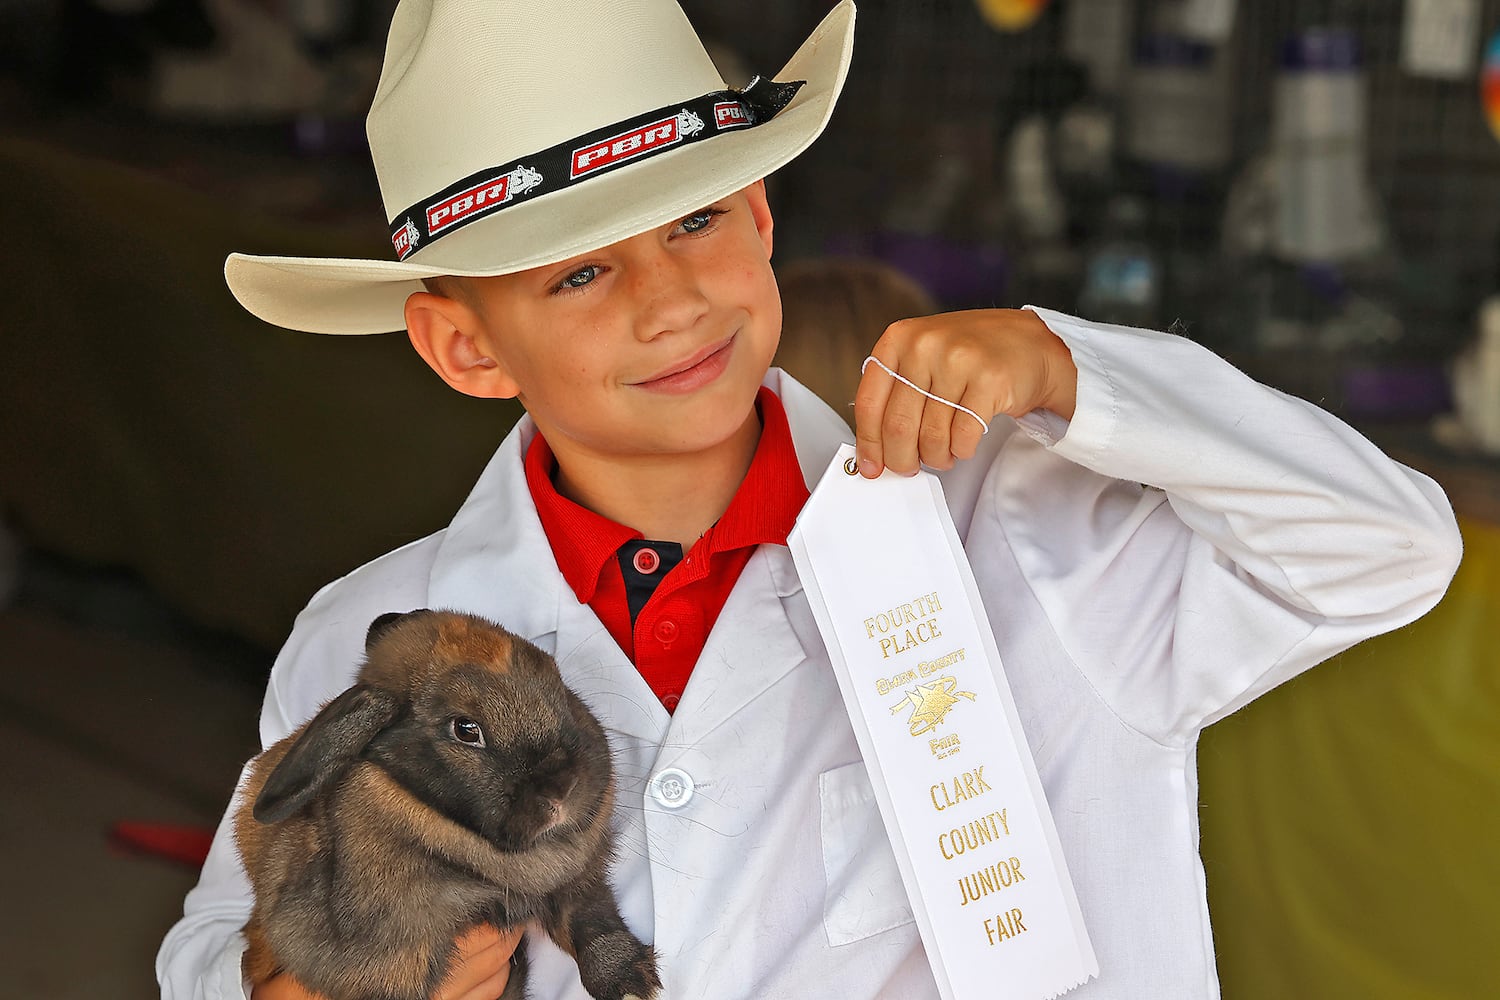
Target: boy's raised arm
(1206, 538)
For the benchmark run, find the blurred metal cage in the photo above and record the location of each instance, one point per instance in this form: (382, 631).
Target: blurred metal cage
(921, 146)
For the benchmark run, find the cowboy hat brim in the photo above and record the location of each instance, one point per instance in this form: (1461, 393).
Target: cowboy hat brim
(351, 296)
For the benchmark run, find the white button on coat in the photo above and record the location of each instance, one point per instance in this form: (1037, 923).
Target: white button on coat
(672, 788)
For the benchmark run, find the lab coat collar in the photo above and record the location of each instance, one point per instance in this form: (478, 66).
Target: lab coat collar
(494, 560)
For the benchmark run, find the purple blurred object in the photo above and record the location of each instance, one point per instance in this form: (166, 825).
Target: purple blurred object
(1162, 49)
(1396, 390)
(958, 275)
(1321, 50)
(319, 134)
(1326, 281)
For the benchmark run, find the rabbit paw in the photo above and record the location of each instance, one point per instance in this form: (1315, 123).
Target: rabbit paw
(617, 965)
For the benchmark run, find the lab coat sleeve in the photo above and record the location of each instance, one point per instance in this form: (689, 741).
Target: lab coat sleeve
(1208, 537)
(200, 957)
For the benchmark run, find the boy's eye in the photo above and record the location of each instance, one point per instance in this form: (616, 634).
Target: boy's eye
(699, 220)
(580, 277)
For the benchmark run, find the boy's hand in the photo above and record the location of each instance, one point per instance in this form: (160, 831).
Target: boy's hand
(990, 360)
(480, 970)
(482, 966)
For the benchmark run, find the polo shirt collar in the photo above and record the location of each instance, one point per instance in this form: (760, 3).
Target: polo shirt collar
(581, 540)
(763, 509)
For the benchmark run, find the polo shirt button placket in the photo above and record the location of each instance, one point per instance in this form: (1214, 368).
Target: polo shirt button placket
(646, 561)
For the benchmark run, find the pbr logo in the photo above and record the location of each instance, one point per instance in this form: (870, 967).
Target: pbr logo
(482, 197)
(729, 114)
(637, 142)
(523, 179)
(406, 239)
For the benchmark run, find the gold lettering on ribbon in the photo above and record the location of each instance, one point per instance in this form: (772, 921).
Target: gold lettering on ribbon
(1004, 926)
(992, 878)
(974, 834)
(906, 626)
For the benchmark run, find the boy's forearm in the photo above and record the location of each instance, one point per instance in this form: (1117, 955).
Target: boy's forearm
(201, 954)
(1277, 536)
(1269, 477)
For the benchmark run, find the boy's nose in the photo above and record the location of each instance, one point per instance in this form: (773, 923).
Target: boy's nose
(668, 294)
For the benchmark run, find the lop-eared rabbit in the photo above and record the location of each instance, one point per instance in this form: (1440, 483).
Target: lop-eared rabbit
(458, 781)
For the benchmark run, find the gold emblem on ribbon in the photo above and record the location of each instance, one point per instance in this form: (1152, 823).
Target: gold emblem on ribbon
(930, 703)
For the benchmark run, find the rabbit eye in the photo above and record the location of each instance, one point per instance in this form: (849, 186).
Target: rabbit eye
(467, 731)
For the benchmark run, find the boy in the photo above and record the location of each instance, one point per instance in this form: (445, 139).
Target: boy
(634, 524)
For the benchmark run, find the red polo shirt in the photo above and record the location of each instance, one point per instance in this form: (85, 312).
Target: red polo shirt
(673, 598)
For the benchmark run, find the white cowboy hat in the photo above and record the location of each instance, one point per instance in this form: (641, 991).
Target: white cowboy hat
(510, 135)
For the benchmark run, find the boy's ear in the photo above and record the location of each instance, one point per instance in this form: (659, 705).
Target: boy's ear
(760, 211)
(443, 329)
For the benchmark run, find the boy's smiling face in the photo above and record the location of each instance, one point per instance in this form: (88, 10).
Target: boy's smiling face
(654, 345)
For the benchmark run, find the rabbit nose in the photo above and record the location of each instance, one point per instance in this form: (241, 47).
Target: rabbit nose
(556, 809)
(553, 815)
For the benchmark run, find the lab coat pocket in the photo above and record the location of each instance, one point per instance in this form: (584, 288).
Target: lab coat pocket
(863, 894)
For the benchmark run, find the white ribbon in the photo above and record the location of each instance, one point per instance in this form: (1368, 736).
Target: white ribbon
(898, 609)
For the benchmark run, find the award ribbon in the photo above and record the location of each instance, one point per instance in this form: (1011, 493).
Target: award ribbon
(923, 684)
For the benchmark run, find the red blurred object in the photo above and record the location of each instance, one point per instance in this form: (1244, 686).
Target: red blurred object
(187, 845)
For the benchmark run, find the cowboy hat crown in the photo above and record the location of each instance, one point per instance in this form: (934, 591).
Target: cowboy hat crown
(507, 136)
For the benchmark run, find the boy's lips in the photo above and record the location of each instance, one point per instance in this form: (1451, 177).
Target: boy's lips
(696, 370)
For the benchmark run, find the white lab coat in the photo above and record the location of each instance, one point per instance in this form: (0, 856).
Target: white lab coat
(1128, 617)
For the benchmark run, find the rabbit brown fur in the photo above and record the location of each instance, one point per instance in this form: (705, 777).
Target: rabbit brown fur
(457, 782)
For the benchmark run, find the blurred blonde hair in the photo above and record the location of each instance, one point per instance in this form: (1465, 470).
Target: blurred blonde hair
(833, 311)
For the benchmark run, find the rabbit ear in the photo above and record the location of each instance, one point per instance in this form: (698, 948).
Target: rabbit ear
(332, 741)
(380, 626)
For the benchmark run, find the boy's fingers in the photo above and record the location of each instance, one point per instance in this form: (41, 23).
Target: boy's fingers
(490, 988)
(899, 429)
(477, 939)
(940, 421)
(967, 431)
(869, 411)
(935, 436)
(482, 957)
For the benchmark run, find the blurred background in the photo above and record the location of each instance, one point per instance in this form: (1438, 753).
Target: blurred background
(1310, 188)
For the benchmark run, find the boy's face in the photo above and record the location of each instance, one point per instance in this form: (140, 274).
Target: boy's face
(654, 345)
